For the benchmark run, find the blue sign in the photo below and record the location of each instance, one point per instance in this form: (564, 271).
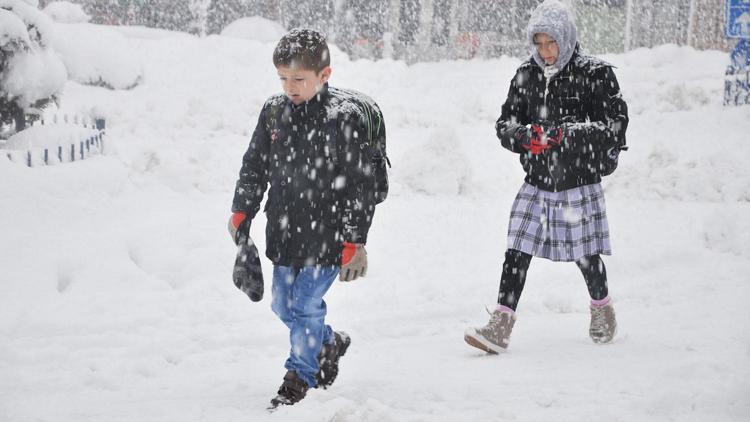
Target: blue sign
(737, 79)
(738, 18)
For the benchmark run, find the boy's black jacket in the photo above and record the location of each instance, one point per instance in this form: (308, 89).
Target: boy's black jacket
(584, 98)
(316, 200)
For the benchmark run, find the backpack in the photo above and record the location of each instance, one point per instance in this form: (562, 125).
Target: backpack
(373, 122)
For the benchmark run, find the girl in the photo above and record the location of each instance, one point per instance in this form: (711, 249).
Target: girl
(566, 118)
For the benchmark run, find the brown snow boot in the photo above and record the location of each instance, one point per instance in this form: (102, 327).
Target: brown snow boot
(603, 323)
(292, 390)
(492, 338)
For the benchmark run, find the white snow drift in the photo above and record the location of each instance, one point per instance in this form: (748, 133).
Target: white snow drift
(116, 300)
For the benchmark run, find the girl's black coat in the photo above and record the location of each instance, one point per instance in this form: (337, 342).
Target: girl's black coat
(584, 99)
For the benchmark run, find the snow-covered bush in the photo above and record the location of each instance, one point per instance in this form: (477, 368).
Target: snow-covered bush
(254, 28)
(106, 59)
(31, 74)
(66, 12)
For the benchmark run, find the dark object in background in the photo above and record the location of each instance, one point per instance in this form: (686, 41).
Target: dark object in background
(247, 274)
(408, 19)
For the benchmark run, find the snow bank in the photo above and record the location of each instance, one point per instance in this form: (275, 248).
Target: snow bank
(97, 55)
(436, 166)
(49, 136)
(116, 300)
(255, 28)
(51, 144)
(66, 12)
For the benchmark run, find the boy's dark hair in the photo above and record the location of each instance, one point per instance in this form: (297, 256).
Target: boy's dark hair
(303, 48)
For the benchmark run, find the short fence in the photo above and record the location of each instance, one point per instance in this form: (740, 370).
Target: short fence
(76, 150)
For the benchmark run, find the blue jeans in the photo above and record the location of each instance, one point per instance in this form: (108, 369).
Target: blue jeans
(297, 298)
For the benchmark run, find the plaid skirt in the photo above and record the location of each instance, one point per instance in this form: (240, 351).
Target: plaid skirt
(560, 226)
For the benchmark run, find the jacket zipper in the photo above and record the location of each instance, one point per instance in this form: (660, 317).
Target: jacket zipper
(549, 72)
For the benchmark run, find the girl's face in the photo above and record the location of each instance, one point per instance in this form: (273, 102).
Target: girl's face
(300, 85)
(547, 47)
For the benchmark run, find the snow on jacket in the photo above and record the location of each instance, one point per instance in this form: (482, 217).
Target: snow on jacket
(316, 159)
(584, 99)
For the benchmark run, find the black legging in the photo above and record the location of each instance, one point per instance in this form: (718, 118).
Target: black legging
(517, 264)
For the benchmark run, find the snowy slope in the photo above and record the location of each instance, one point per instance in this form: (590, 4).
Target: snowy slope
(116, 300)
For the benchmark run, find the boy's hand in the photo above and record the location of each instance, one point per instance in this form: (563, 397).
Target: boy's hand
(353, 261)
(238, 224)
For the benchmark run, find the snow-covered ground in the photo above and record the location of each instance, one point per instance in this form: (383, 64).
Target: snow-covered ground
(116, 299)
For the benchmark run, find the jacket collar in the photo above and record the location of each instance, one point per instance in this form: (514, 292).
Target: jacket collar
(576, 53)
(313, 103)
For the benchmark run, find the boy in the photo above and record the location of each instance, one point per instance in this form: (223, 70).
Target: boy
(311, 146)
(564, 115)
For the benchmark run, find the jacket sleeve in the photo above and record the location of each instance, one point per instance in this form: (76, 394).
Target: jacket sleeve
(514, 114)
(608, 129)
(253, 179)
(359, 180)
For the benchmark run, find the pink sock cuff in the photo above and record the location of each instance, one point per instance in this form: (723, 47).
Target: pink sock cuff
(503, 308)
(600, 302)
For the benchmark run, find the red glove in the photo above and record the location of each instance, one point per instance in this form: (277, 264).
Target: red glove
(238, 224)
(350, 249)
(353, 261)
(538, 142)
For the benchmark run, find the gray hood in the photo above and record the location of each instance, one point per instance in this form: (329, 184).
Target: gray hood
(556, 20)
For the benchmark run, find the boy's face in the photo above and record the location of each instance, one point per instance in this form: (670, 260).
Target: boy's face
(300, 85)
(547, 47)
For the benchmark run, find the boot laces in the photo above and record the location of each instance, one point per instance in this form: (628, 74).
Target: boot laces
(599, 317)
(496, 318)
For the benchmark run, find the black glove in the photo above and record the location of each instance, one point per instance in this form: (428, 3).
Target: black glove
(554, 134)
(523, 136)
(550, 132)
(247, 274)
